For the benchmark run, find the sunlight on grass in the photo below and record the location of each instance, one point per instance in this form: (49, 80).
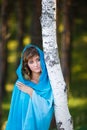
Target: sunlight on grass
(83, 76)
(4, 125)
(76, 68)
(27, 40)
(79, 21)
(77, 102)
(80, 40)
(5, 106)
(12, 44)
(9, 87)
(61, 28)
(84, 38)
(12, 58)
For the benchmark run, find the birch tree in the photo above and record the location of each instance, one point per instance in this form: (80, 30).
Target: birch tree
(48, 23)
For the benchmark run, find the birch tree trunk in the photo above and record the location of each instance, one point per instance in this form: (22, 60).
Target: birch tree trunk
(48, 23)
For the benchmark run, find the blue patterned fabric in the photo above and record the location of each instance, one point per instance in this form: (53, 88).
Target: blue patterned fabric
(34, 113)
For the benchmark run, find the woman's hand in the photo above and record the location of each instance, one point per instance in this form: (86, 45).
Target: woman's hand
(24, 88)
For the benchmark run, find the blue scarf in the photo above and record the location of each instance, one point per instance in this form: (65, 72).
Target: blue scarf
(31, 113)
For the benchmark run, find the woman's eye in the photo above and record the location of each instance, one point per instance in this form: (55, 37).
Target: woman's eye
(30, 62)
(38, 59)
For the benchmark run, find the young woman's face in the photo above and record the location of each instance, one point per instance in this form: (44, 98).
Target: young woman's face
(34, 64)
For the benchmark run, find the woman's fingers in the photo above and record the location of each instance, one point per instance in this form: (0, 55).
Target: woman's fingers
(24, 88)
(21, 86)
(19, 83)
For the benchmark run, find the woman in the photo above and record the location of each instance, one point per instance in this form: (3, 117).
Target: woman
(32, 98)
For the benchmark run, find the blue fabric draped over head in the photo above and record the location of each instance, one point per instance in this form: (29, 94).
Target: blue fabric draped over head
(34, 113)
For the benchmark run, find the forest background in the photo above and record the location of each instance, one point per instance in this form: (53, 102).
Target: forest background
(20, 25)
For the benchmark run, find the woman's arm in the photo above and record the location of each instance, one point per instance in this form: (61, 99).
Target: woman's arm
(24, 88)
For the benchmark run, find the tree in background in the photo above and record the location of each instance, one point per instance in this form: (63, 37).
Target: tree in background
(48, 22)
(3, 44)
(66, 40)
(3, 50)
(36, 37)
(21, 22)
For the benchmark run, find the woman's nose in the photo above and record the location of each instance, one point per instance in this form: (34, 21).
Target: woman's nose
(35, 64)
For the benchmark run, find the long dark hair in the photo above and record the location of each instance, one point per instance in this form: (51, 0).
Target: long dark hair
(28, 53)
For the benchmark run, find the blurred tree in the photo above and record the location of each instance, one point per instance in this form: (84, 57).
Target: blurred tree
(66, 39)
(3, 44)
(3, 49)
(21, 22)
(36, 36)
(21, 18)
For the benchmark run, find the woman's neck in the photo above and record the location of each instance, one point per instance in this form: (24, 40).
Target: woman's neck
(35, 77)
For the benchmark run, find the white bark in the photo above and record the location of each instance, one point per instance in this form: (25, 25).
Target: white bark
(48, 23)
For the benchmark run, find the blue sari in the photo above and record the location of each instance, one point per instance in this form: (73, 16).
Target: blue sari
(31, 113)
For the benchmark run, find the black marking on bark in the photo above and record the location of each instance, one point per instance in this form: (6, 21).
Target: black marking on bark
(52, 57)
(65, 89)
(59, 125)
(71, 120)
(54, 8)
(48, 6)
(47, 19)
(48, 10)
